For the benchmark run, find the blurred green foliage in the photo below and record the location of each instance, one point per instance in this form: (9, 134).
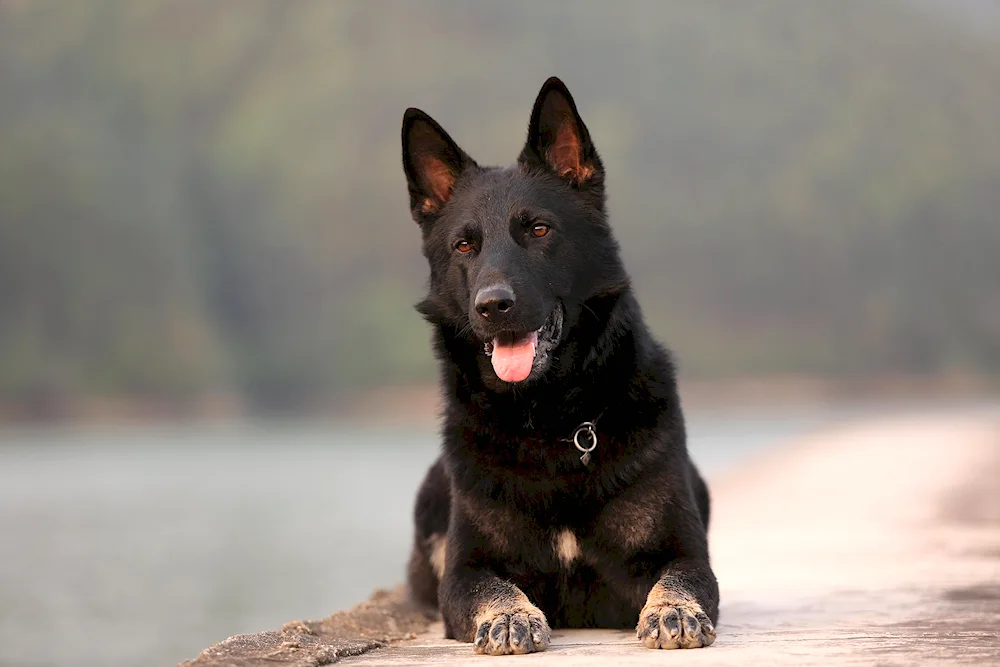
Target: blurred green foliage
(202, 197)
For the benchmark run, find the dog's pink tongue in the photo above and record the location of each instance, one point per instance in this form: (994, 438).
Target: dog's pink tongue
(512, 361)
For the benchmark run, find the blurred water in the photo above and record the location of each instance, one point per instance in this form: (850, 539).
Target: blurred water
(126, 547)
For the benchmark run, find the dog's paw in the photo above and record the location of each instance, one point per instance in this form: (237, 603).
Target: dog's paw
(518, 632)
(674, 624)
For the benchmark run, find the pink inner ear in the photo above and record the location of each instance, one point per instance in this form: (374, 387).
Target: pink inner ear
(564, 154)
(439, 181)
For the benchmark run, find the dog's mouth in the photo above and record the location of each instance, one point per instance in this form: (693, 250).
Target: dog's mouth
(514, 355)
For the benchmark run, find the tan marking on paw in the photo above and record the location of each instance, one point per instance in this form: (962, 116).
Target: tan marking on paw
(510, 624)
(673, 619)
(513, 602)
(566, 546)
(436, 545)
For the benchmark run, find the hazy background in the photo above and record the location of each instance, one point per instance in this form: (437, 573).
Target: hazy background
(203, 217)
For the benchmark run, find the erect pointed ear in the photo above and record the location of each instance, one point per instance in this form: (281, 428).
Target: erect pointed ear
(432, 162)
(558, 139)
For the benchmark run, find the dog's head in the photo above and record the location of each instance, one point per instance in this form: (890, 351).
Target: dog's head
(514, 252)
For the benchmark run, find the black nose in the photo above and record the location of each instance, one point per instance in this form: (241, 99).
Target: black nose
(494, 300)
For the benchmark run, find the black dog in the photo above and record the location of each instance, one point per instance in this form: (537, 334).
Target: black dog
(565, 494)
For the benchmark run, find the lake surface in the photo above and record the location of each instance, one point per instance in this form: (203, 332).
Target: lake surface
(141, 546)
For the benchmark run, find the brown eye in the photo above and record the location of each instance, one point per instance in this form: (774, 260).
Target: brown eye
(463, 246)
(539, 230)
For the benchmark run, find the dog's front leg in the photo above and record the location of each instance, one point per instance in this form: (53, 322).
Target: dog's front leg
(681, 608)
(493, 614)
(480, 607)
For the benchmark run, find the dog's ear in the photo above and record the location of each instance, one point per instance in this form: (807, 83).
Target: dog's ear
(558, 139)
(432, 162)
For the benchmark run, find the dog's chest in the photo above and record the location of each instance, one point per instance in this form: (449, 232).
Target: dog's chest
(621, 528)
(595, 546)
(539, 545)
(567, 539)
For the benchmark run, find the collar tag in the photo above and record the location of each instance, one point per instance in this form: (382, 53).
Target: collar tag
(585, 440)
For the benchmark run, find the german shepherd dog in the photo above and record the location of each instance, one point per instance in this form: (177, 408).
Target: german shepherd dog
(564, 495)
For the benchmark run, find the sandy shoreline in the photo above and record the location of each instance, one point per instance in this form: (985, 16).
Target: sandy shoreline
(877, 543)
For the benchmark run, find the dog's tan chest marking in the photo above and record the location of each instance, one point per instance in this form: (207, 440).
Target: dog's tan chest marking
(567, 547)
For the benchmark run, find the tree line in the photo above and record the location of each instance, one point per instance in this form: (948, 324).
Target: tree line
(207, 198)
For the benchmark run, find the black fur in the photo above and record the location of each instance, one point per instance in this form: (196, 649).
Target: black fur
(510, 482)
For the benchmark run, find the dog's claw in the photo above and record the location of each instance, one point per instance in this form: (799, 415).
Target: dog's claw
(484, 629)
(519, 639)
(648, 630)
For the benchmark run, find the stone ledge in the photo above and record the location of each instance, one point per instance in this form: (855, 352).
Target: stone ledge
(387, 617)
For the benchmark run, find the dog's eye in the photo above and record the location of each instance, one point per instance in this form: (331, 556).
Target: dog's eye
(463, 246)
(539, 230)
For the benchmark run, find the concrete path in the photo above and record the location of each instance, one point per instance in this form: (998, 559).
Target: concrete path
(874, 545)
